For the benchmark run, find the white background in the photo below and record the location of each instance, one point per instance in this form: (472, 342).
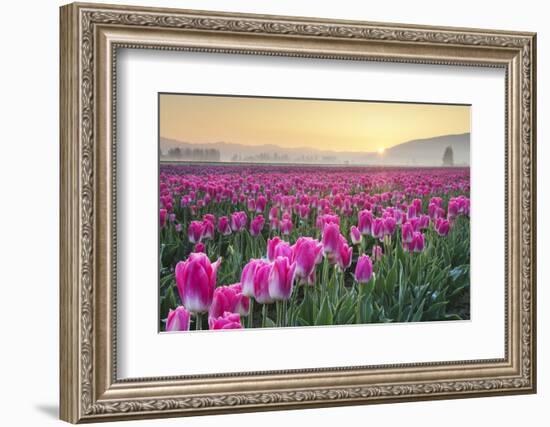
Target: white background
(140, 345)
(29, 173)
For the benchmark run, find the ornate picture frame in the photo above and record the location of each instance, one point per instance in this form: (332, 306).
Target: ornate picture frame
(90, 37)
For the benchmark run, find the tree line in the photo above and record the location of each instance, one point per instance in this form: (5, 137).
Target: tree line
(196, 154)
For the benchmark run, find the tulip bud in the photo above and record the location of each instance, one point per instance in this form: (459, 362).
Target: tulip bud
(178, 320)
(363, 269)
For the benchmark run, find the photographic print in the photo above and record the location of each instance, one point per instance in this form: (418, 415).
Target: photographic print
(284, 212)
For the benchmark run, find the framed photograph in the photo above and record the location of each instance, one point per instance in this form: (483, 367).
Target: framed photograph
(266, 212)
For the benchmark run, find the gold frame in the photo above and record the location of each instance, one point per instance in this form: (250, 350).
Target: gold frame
(90, 36)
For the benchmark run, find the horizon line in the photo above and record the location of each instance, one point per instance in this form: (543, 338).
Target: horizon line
(305, 147)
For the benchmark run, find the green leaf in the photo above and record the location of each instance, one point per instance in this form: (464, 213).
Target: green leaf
(391, 279)
(269, 323)
(418, 315)
(324, 317)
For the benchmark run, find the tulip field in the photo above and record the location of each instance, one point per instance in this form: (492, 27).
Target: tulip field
(252, 246)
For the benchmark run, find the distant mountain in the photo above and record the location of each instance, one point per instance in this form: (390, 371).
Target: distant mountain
(429, 151)
(419, 152)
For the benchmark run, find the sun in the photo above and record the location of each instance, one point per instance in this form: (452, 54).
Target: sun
(381, 150)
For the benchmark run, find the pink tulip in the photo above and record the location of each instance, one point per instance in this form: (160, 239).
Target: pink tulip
(223, 226)
(196, 280)
(260, 204)
(307, 253)
(162, 217)
(251, 205)
(378, 228)
(417, 203)
(228, 298)
(304, 212)
(331, 238)
(277, 247)
(423, 222)
(226, 321)
(238, 221)
(355, 235)
(452, 209)
(199, 247)
(286, 227)
(438, 201)
(442, 226)
(377, 253)
(207, 230)
(248, 274)
(325, 219)
(343, 254)
(433, 210)
(365, 222)
(257, 225)
(195, 231)
(417, 244)
(407, 233)
(389, 225)
(273, 213)
(261, 284)
(178, 320)
(411, 211)
(209, 217)
(271, 246)
(178, 228)
(363, 269)
(281, 279)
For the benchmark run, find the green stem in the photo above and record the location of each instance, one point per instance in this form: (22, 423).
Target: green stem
(285, 313)
(251, 314)
(198, 320)
(264, 315)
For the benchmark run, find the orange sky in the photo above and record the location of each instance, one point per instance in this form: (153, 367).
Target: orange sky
(325, 125)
